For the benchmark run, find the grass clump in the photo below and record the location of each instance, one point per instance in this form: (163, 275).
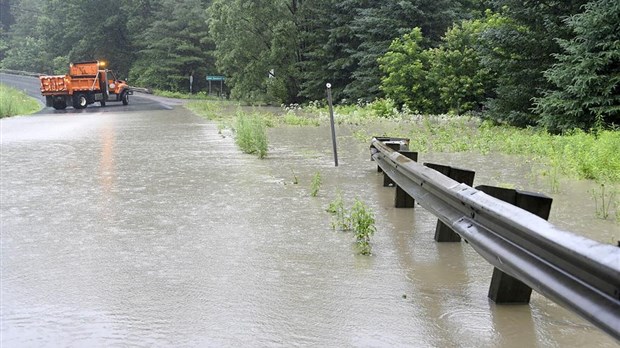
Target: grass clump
(341, 220)
(181, 95)
(295, 179)
(14, 102)
(251, 134)
(603, 200)
(363, 224)
(358, 219)
(292, 119)
(315, 185)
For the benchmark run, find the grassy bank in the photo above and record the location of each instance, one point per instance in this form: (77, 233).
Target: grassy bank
(594, 155)
(182, 95)
(14, 102)
(591, 155)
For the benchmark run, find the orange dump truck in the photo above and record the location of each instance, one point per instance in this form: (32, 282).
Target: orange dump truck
(86, 83)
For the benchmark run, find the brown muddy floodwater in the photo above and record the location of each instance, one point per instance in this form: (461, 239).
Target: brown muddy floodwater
(149, 228)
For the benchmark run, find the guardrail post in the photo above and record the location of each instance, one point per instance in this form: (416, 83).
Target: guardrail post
(396, 144)
(443, 233)
(504, 287)
(402, 199)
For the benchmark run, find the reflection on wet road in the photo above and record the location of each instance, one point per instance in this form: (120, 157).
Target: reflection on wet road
(146, 227)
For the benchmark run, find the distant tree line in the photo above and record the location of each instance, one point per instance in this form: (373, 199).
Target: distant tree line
(550, 63)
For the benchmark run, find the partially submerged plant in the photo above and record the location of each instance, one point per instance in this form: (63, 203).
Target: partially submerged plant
(251, 134)
(363, 224)
(316, 184)
(359, 219)
(341, 220)
(295, 179)
(602, 201)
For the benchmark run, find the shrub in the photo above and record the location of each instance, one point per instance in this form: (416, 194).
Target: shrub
(251, 134)
(363, 224)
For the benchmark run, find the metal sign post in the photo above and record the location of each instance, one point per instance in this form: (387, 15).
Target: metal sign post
(331, 122)
(217, 78)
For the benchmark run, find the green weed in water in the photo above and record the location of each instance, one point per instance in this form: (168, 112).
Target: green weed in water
(316, 184)
(359, 219)
(363, 224)
(295, 179)
(603, 200)
(251, 134)
(292, 119)
(341, 218)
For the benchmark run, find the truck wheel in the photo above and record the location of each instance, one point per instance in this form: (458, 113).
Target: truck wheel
(79, 101)
(60, 104)
(102, 103)
(125, 97)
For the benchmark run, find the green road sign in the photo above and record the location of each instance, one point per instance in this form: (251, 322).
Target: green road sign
(216, 78)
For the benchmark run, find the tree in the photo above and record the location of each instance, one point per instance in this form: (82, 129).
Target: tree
(329, 42)
(405, 68)
(257, 47)
(587, 75)
(376, 24)
(520, 51)
(463, 83)
(48, 34)
(174, 46)
(24, 39)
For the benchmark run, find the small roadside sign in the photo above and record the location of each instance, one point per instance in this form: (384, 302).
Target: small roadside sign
(211, 78)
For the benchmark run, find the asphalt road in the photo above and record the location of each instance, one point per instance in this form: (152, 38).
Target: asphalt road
(137, 102)
(144, 226)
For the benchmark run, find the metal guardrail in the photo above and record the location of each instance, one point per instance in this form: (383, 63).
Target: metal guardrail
(140, 89)
(578, 273)
(19, 72)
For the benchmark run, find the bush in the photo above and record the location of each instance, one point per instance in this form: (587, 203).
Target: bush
(251, 134)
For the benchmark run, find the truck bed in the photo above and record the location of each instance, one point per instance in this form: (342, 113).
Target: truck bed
(59, 84)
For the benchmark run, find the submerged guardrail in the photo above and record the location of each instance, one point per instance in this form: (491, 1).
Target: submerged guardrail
(576, 272)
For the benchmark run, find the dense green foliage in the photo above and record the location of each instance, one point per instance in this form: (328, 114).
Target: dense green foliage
(587, 74)
(525, 63)
(14, 102)
(174, 46)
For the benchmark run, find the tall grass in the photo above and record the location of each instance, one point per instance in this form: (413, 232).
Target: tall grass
(591, 155)
(251, 134)
(594, 155)
(211, 110)
(14, 102)
(315, 186)
(182, 95)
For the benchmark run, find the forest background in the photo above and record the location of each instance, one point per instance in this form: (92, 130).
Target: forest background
(553, 64)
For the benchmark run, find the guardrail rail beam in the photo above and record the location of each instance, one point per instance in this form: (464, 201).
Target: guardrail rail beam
(576, 272)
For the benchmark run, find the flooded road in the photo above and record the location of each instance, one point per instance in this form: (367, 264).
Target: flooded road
(147, 227)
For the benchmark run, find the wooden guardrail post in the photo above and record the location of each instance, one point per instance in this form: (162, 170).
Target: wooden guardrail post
(504, 287)
(443, 233)
(402, 199)
(396, 144)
